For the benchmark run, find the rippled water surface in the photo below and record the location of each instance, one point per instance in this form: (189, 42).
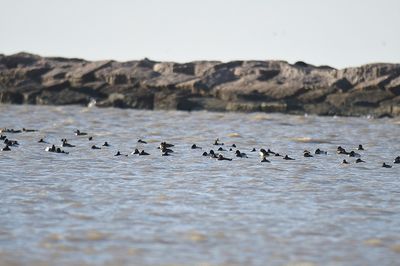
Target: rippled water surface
(90, 207)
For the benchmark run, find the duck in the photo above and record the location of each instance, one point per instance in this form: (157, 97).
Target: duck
(28, 130)
(318, 151)
(11, 143)
(6, 148)
(79, 133)
(271, 152)
(222, 158)
(384, 165)
(359, 161)
(136, 151)
(165, 149)
(253, 150)
(221, 149)
(288, 158)
(51, 149)
(141, 141)
(360, 147)
(194, 146)
(345, 162)
(94, 147)
(340, 150)
(90, 138)
(212, 154)
(233, 145)
(7, 130)
(263, 153)
(66, 144)
(306, 153)
(354, 154)
(3, 137)
(216, 142)
(166, 145)
(397, 159)
(41, 141)
(264, 160)
(106, 144)
(240, 154)
(120, 154)
(58, 150)
(165, 154)
(144, 153)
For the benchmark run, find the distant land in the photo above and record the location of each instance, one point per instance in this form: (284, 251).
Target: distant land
(246, 86)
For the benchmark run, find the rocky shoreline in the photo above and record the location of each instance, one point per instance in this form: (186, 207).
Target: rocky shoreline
(247, 86)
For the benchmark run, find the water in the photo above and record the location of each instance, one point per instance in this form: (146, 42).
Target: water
(91, 208)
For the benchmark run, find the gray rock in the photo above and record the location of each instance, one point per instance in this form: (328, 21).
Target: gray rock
(247, 86)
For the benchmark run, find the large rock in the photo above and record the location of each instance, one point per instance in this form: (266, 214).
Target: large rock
(264, 86)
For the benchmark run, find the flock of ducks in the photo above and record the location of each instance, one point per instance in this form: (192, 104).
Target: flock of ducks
(166, 149)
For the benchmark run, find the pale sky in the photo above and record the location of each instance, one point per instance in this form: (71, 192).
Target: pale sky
(339, 33)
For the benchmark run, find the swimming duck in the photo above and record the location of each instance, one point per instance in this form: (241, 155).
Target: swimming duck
(240, 154)
(233, 145)
(397, 159)
(79, 133)
(318, 151)
(143, 153)
(288, 158)
(354, 154)
(253, 150)
(386, 165)
(166, 145)
(28, 130)
(216, 142)
(7, 130)
(6, 148)
(221, 149)
(3, 137)
(307, 154)
(11, 143)
(359, 161)
(263, 153)
(41, 141)
(194, 146)
(106, 144)
(142, 141)
(136, 151)
(94, 147)
(264, 160)
(212, 154)
(360, 147)
(51, 149)
(66, 144)
(222, 158)
(340, 150)
(165, 149)
(120, 154)
(90, 138)
(345, 162)
(58, 150)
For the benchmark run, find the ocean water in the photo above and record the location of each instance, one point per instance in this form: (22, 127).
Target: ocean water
(90, 207)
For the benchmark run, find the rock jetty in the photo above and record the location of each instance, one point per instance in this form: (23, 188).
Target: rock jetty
(247, 86)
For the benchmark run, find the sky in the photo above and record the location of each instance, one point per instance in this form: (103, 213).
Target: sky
(339, 33)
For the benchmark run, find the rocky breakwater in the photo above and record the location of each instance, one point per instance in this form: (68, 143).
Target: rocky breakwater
(265, 86)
